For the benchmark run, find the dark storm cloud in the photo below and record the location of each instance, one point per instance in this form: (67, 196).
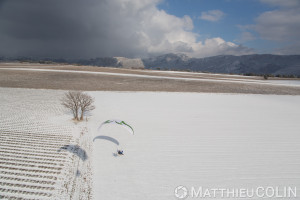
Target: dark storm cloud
(98, 28)
(55, 28)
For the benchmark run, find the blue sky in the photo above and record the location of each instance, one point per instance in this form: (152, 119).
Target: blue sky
(145, 28)
(240, 11)
(236, 13)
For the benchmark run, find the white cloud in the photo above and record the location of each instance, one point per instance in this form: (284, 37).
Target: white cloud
(282, 24)
(246, 36)
(282, 3)
(212, 15)
(130, 28)
(218, 46)
(293, 49)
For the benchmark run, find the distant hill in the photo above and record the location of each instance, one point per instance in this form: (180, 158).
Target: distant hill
(247, 64)
(256, 64)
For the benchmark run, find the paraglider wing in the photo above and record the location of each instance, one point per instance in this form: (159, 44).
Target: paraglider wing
(127, 126)
(119, 122)
(103, 137)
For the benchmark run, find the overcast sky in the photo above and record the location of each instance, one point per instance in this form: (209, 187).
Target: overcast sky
(142, 28)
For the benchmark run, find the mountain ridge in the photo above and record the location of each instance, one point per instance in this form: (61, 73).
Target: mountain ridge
(246, 64)
(255, 63)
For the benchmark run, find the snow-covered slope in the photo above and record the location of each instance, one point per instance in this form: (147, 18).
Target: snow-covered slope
(257, 64)
(130, 63)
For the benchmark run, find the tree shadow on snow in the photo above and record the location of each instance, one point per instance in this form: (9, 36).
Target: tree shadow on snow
(75, 149)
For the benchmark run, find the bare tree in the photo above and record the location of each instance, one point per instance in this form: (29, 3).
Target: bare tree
(86, 104)
(75, 100)
(71, 101)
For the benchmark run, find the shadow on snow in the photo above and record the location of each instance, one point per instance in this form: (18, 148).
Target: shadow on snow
(75, 149)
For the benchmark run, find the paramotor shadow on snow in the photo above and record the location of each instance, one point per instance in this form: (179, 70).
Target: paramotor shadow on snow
(75, 149)
(104, 137)
(115, 154)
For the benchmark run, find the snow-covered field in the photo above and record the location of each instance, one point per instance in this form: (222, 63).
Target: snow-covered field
(286, 82)
(189, 139)
(39, 147)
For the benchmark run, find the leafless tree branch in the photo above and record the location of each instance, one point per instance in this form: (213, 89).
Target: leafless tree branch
(75, 100)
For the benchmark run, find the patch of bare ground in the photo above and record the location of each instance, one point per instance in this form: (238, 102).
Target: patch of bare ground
(123, 70)
(104, 82)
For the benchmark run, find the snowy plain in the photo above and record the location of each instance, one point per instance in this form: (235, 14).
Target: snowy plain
(39, 157)
(189, 139)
